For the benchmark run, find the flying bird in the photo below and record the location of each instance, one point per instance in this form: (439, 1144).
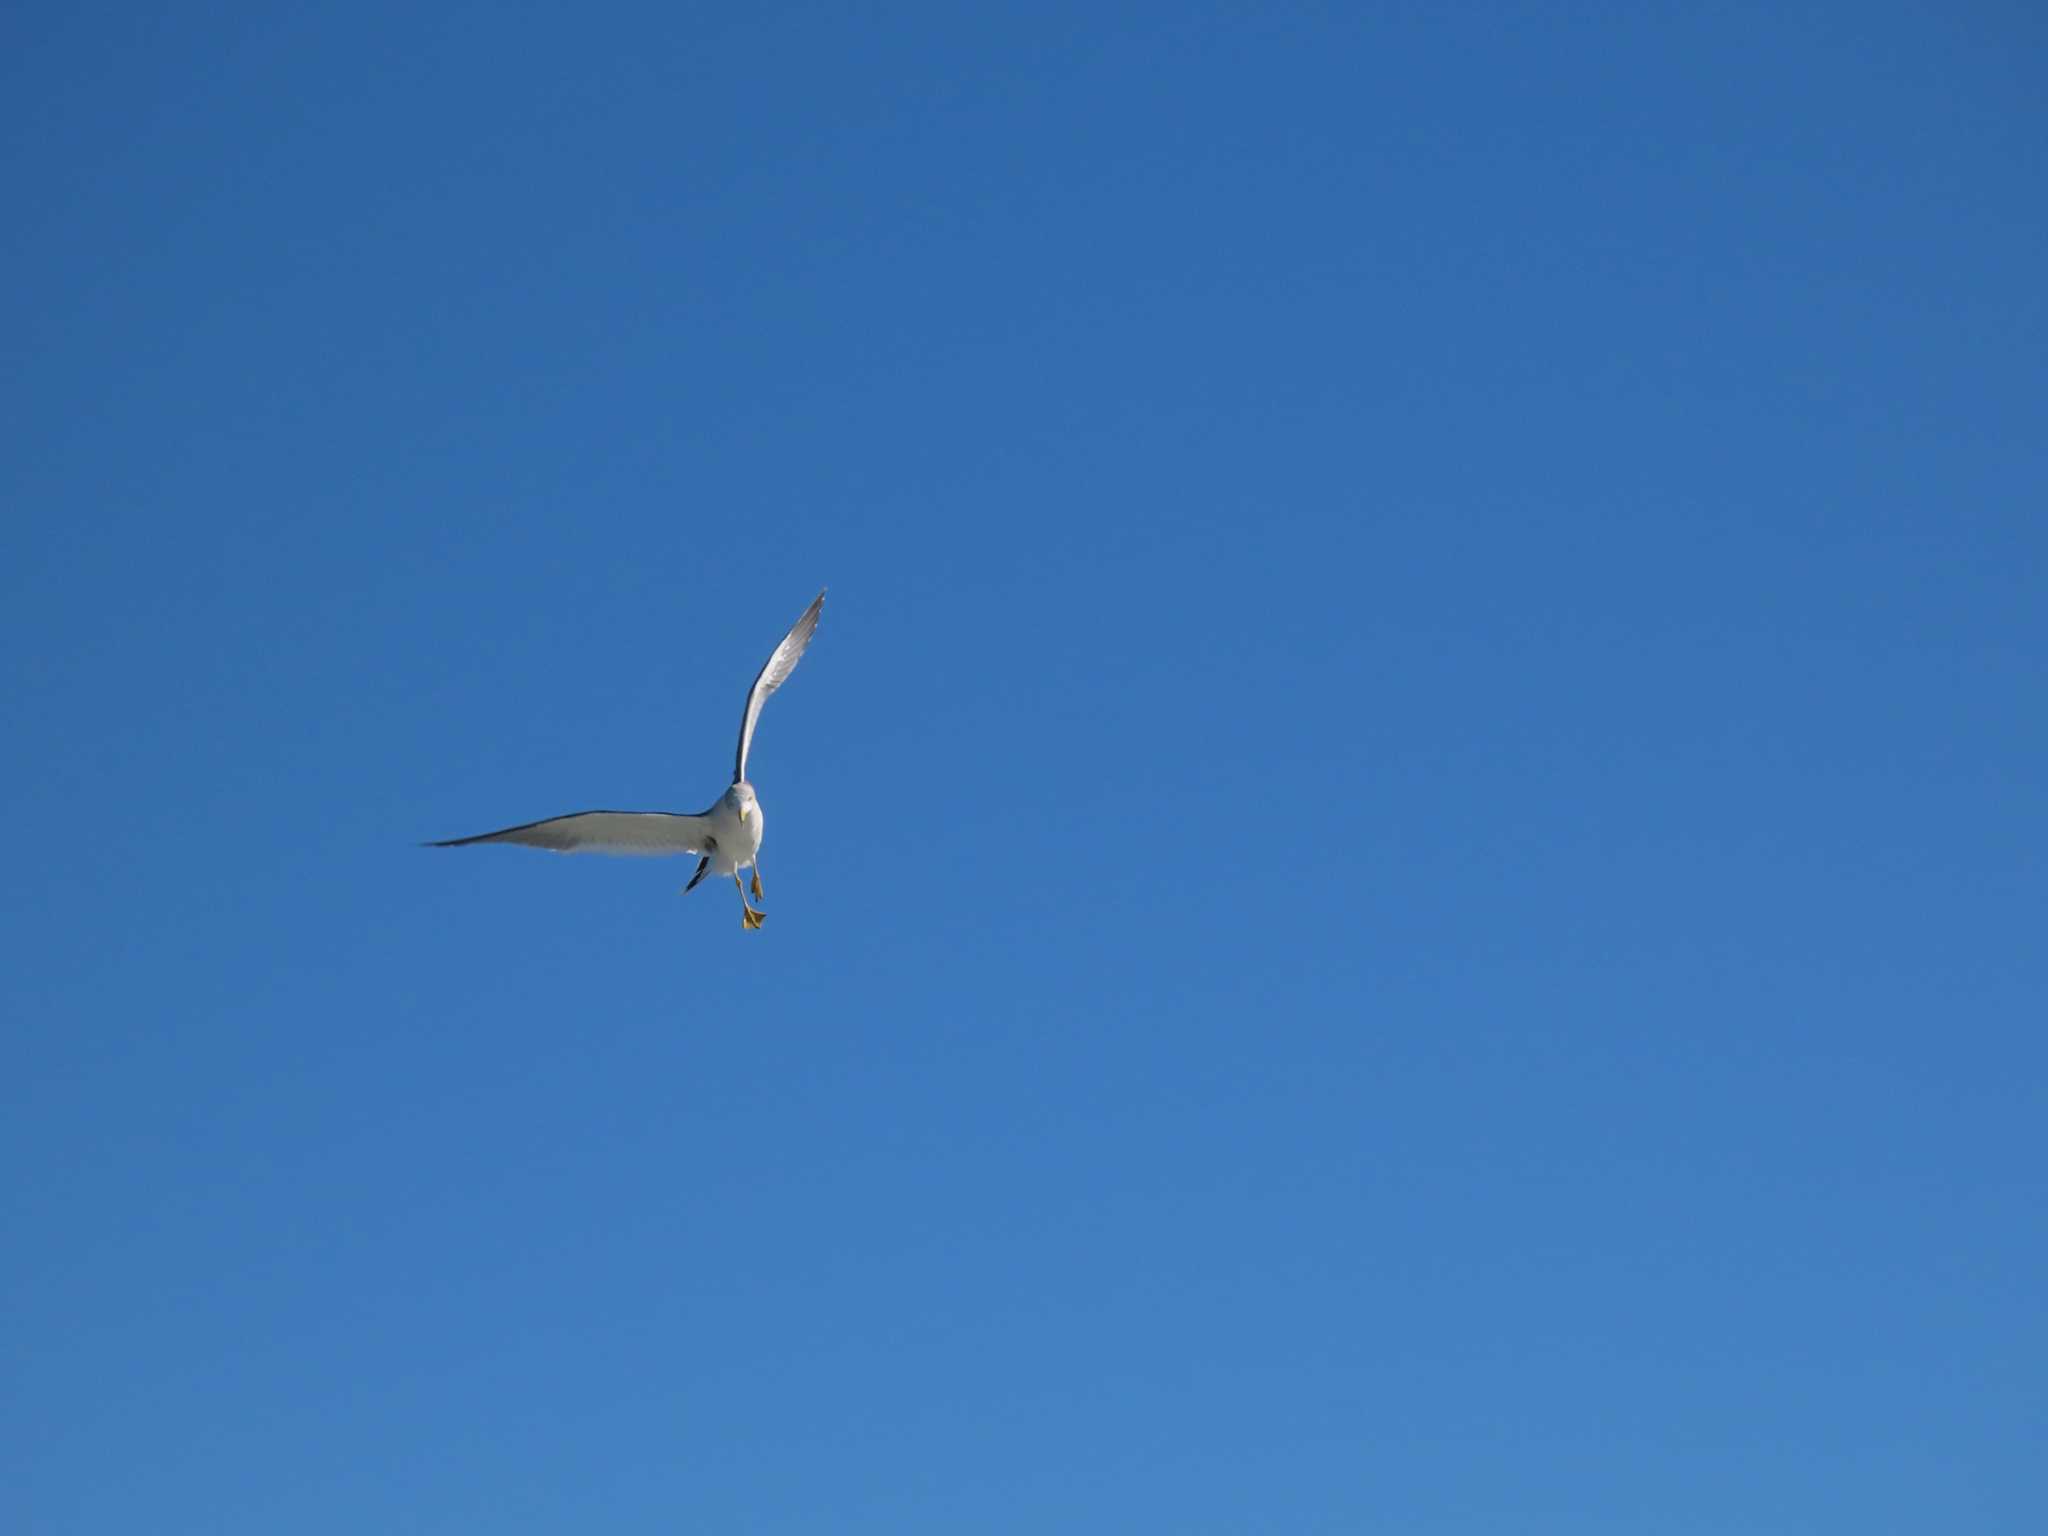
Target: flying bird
(726, 838)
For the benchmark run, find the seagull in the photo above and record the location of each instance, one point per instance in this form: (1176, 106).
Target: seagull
(726, 838)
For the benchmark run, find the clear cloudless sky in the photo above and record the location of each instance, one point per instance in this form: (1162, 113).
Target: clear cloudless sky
(1406, 884)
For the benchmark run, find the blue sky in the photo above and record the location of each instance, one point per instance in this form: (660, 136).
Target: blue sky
(1405, 883)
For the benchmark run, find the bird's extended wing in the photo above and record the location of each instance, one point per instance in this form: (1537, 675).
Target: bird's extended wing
(781, 662)
(629, 832)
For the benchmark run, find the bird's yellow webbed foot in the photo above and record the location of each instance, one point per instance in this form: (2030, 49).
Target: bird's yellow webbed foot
(749, 918)
(757, 886)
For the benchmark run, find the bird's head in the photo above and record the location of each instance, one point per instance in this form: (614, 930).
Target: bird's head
(743, 802)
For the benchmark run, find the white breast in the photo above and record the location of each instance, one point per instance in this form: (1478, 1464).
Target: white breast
(750, 835)
(738, 840)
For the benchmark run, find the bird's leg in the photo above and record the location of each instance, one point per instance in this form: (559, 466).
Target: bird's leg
(757, 884)
(749, 918)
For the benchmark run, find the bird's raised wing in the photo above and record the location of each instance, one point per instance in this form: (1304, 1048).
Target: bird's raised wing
(630, 832)
(781, 662)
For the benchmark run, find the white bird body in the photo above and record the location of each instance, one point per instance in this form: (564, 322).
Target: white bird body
(733, 829)
(726, 838)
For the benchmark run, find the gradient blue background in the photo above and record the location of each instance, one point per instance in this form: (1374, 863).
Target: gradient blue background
(1406, 880)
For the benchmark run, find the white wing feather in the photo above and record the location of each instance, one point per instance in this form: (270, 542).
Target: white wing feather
(651, 833)
(781, 662)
